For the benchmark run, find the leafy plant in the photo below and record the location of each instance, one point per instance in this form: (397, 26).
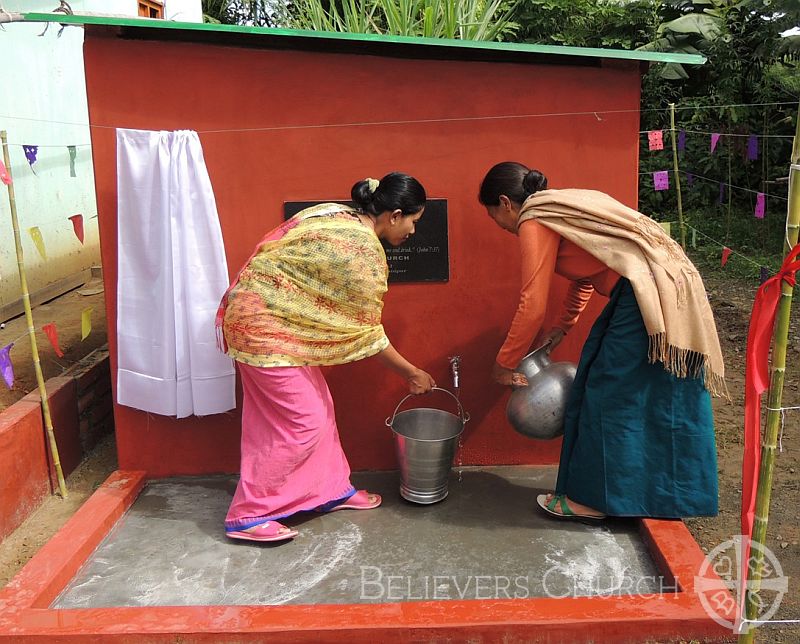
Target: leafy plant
(463, 19)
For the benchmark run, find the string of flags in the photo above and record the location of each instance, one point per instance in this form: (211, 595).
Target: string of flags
(77, 222)
(35, 233)
(661, 180)
(655, 140)
(32, 156)
(51, 332)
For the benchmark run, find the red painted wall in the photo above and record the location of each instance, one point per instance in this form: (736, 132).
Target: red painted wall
(223, 88)
(23, 464)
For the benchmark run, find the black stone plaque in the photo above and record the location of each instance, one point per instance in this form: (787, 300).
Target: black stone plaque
(423, 258)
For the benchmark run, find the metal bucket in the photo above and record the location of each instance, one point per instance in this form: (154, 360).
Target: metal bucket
(425, 441)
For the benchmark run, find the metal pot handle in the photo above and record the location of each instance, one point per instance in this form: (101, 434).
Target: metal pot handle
(462, 414)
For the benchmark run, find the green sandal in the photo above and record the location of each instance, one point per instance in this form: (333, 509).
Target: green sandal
(566, 512)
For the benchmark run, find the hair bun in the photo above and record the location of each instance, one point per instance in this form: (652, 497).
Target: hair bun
(534, 181)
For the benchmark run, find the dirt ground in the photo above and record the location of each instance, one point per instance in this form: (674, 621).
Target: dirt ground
(731, 300)
(65, 311)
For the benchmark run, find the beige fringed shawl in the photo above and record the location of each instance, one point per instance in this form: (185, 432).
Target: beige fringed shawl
(668, 288)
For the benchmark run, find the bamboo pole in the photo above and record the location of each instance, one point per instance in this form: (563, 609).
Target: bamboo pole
(26, 301)
(681, 225)
(730, 183)
(770, 437)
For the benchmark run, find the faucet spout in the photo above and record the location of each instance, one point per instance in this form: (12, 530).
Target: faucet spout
(455, 369)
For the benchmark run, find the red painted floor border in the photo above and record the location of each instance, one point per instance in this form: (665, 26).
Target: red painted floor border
(25, 615)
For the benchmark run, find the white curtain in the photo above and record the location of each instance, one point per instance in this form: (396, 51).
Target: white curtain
(171, 275)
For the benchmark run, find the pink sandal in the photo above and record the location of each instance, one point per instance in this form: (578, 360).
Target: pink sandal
(267, 531)
(359, 501)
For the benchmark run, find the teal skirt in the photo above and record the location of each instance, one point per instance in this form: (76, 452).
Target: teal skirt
(638, 441)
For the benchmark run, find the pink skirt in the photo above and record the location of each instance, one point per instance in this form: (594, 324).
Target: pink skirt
(292, 459)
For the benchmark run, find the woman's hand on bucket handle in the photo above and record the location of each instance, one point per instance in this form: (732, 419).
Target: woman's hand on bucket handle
(420, 382)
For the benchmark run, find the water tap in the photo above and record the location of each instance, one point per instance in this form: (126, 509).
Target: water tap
(455, 368)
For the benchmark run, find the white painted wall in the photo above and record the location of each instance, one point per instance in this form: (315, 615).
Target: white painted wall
(43, 102)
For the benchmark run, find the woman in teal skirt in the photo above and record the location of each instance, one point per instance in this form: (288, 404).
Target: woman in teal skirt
(638, 432)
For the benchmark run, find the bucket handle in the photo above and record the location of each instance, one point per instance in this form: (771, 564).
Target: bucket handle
(462, 414)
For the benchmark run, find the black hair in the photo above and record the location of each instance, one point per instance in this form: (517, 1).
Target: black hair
(512, 179)
(396, 191)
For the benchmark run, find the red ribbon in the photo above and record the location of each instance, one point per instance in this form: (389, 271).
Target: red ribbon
(759, 341)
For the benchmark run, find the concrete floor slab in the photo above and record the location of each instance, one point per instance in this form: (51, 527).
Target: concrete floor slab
(485, 541)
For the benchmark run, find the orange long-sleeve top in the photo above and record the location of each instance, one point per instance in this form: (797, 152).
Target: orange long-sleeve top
(545, 253)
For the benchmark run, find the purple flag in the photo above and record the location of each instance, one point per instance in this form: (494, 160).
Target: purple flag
(714, 141)
(689, 179)
(661, 180)
(752, 147)
(682, 140)
(760, 205)
(764, 274)
(30, 153)
(5, 365)
(721, 192)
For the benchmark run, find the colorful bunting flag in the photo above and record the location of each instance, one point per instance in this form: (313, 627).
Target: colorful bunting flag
(77, 226)
(681, 140)
(722, 193)
(6, 367)
(714, 141)
(38, 241)
(73, 152)
(661, 180)
(726, 253)
(667, 226)
(694, 238)
(764, 274)
(656, 139)
(86, 322)
(5, 177)
(760, 205)
(689, 179)
(30, 154)
(52, 334)
(752, 147)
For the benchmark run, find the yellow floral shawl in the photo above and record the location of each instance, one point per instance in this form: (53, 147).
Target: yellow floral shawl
(311, 294)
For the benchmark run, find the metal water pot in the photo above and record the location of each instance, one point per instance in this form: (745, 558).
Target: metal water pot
(537, 411)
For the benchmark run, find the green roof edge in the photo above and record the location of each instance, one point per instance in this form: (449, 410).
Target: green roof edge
(553, 50)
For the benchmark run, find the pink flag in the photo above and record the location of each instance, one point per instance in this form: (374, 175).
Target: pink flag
(726, 253)
(661, 180)
(52, 334)
(760, 205)
(4, 176)
(6, 367)
(714, 141)
(77, 226)
(656, 139)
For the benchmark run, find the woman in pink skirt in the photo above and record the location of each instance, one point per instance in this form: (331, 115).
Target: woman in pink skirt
(310, 295)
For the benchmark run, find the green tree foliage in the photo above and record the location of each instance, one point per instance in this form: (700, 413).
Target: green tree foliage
(258, 13)
(587, 23)
(748, 62)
